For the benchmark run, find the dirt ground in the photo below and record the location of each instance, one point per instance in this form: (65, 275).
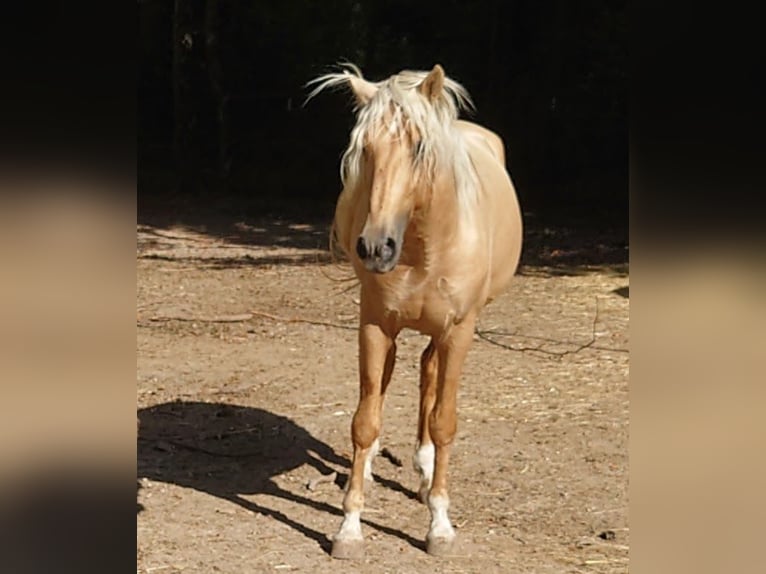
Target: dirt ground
(247, 383)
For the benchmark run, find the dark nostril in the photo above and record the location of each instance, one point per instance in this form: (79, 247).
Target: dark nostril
(387, 251)
(361, 248)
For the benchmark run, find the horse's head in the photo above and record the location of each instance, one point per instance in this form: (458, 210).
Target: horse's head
(401, 133)
(391, 169)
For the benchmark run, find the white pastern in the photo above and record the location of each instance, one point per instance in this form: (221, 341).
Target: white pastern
(373, 452)
(423, 461)
(440, 524)
(351, 528)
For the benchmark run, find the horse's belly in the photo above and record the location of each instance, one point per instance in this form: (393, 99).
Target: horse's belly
(506, 226)
(500, 217)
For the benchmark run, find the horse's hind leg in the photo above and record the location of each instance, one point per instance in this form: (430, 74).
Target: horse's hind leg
(375, 366)
(423, 461)
(452, 350)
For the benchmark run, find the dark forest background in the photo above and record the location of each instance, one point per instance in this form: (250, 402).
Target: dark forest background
(221, 86)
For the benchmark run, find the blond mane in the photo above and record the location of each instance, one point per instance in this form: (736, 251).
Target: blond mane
(396, 103)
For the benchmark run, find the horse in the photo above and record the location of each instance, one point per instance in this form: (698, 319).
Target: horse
(429, 218)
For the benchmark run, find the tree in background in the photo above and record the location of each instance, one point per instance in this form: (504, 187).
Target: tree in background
(221, 83)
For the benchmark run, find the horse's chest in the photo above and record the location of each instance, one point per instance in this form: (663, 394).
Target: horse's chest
(426, 306)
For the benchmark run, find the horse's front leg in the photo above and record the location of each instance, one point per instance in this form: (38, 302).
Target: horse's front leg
(376, 350)
(423, 461)
(442, 422)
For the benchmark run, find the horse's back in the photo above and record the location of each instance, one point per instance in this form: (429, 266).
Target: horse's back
(484, 137)
(500, 208)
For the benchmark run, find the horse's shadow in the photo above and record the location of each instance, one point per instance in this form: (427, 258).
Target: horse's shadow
(229, 451)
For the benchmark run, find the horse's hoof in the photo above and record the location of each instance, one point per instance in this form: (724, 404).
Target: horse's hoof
(439, 546)
(348, 549)
(423, 495)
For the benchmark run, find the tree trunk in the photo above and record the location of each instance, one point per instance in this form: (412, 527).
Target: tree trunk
(216, 79)
(184, 113)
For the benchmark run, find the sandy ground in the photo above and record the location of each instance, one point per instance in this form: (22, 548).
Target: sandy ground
(247, 383)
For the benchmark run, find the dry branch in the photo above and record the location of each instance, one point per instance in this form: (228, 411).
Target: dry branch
(240, 317)
(539, 348)
(168, 445)
(325, 478)
(391, 457)
(483, 334)
(301, 320)
(205, 318)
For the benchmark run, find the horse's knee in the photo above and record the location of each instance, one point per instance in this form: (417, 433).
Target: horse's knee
(364, 431)
(442, 425)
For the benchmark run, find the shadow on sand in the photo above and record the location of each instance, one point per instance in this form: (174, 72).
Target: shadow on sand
(229, 451)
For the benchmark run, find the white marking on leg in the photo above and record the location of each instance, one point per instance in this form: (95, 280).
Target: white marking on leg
(423, 461)
(440, 523)
(373, 452)
(351, 528)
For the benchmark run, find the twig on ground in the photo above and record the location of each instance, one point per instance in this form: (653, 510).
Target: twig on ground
(205, 318)
(482, 334)
(301, 320)
(324, 479)
(391, 457)
(168, 444)
(240, 317)
(539, 348)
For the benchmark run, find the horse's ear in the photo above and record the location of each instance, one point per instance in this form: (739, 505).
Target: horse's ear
(363, 90)
(433, 84)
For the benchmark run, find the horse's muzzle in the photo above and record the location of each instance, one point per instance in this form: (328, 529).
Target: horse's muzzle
(378, 256)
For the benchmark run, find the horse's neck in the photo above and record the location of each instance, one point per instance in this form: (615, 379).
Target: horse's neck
(435, 227)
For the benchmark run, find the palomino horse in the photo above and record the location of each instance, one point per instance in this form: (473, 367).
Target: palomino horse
(429, 218)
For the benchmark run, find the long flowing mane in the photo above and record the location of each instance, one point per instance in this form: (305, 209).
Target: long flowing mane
(398, 104)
